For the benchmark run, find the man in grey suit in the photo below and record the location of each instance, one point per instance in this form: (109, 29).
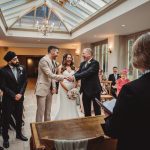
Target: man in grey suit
(46, 85)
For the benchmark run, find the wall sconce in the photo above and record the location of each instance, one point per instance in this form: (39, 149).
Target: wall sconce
(29, 61)
(109, 50)
(77, 52)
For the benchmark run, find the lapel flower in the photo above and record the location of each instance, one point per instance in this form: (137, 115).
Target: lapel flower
(89, 62)
(20, 68)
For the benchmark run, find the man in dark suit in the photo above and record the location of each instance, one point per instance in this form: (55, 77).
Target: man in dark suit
(13, 84)
(90, 84)
(1, 148)
(113, 77)
(0, 112)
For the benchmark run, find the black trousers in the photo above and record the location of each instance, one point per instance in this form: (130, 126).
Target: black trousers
(87, 101)
(10, 107)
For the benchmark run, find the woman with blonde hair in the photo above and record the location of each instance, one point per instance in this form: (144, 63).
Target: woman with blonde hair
(130, 121)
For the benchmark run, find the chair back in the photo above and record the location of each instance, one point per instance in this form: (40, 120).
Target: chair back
(106, 90)
(106, 87)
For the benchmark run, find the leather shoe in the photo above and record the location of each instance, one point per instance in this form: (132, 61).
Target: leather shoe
(1, 148)
(6, 144)
(21, 137)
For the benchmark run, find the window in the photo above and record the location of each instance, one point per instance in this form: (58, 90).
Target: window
(105, 58)
(97, 52)
(101, 54)
(130, 44)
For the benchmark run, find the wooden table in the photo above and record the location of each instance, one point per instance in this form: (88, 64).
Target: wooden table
(73, 129)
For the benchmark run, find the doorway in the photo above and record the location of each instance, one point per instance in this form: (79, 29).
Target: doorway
(31, 64)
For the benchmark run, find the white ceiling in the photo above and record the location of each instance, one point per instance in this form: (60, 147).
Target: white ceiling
(138, 19)
(135, 20)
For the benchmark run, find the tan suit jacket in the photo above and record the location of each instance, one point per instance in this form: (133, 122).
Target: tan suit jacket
(46, 77)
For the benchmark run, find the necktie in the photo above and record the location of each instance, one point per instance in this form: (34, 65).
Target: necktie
(14, 70)
(53, 69)
(115, 76)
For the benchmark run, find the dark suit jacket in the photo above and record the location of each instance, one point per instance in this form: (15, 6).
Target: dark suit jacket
(112, 78)
(130, 122)
(90, 84)
(9, 85)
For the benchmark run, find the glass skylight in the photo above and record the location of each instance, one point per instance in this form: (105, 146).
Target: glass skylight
(23, 14)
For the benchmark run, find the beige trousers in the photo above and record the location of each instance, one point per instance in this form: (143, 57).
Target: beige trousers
(43, 108)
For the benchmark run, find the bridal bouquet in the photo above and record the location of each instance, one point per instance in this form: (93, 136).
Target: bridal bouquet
(73, 94)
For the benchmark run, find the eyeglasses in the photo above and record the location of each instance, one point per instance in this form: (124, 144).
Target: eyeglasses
(15, 59)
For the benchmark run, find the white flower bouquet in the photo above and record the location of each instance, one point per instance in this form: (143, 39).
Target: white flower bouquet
(73, 94)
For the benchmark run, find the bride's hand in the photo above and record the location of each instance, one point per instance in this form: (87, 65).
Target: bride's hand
(71, 78)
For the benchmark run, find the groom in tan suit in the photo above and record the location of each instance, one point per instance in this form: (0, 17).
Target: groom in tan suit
(46, 85)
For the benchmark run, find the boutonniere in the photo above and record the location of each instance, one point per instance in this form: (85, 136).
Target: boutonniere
(88, 63)
(20, 68)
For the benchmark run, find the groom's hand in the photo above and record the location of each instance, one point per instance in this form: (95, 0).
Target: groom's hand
(53, 91)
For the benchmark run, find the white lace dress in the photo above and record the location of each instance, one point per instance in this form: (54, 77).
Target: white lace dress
(68, 108)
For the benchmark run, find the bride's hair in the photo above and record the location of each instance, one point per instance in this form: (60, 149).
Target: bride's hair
(64, 63)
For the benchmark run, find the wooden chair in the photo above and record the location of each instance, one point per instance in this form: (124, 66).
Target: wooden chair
(106, 90)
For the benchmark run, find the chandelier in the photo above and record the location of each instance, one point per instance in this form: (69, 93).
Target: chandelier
(44, 26)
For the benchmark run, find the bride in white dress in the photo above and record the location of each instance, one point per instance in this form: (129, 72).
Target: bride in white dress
(68, 107)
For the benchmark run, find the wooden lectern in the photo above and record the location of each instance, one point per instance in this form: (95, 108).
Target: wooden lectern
(44, 134)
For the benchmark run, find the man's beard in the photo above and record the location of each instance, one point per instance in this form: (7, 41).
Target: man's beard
(15, 65)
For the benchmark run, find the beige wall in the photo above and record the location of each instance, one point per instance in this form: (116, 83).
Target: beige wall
(36, 51)
(119, 55)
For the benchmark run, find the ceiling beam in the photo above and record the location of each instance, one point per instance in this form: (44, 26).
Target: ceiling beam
(49, 13)
(35, 15)
(70, 23)
(14, 19)
(13, 4)
(49, 4)
(70, 11)
(7, 18)
(76, 10)
(68, 27)
(23, 7)
(63, 11)
(3, 20)
(92, 4)
(84, 10)
(67, 17)
(20, 15)
(106, 1)
(4, 1)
